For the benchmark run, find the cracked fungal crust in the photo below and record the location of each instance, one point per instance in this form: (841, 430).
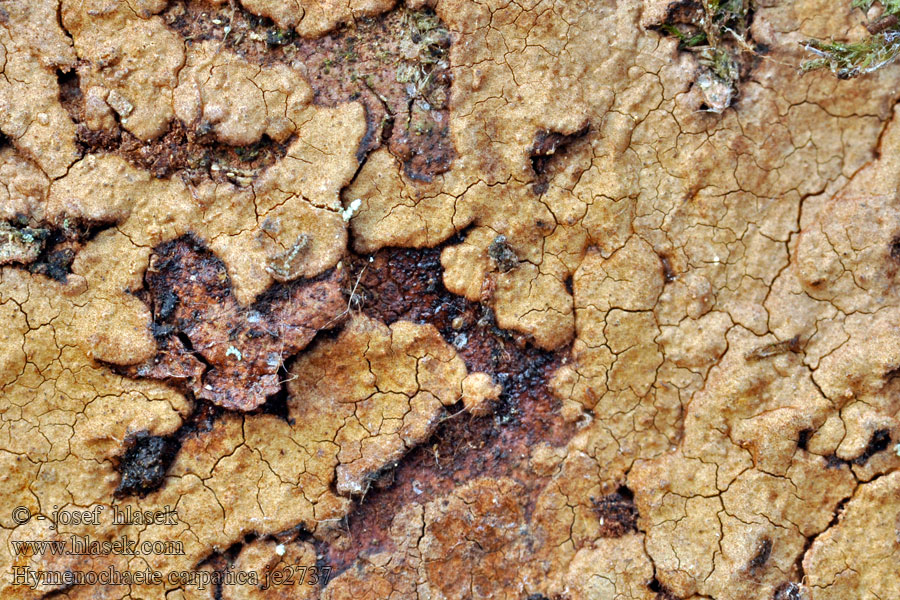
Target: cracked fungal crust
(608, 343)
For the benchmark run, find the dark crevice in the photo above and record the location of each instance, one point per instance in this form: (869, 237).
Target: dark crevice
(798, 565)
(548, 154)
(277, 404)
(803, 438)
(69, 89)
(761, 557)
(669, 275)
(661, 591)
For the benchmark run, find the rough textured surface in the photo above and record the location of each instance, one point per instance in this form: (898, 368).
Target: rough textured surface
(447, 299)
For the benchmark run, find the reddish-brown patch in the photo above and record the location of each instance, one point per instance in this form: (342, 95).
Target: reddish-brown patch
(406, 284)
(223, 352)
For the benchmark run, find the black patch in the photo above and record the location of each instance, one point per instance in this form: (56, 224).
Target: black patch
(144, 465)
(880, 441)
(662, 592)
(803, 438)
(895, 248)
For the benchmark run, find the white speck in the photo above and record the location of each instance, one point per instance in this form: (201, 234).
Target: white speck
(43, 118)
(897, 449)
(460, 341)
(279, 549)
(348, 212)
(253, 317)
(416, 488)
(208, 387)
(232, 351)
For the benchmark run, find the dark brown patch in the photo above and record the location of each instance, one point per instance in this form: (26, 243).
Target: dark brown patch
(406, 284)
(193, 153)
(146, 460)
(617, 512)
(223, 352)
(548, 152)
(197, 154)
(396, 65)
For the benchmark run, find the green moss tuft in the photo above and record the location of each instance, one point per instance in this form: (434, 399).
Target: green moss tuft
(852, 59)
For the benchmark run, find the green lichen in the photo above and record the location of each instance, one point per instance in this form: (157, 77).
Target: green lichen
(852, 59)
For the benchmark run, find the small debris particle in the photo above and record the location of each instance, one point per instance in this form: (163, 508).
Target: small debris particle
(282, 267)
(503, 254)
(617, 513)
(232, 351)
(791, 345)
